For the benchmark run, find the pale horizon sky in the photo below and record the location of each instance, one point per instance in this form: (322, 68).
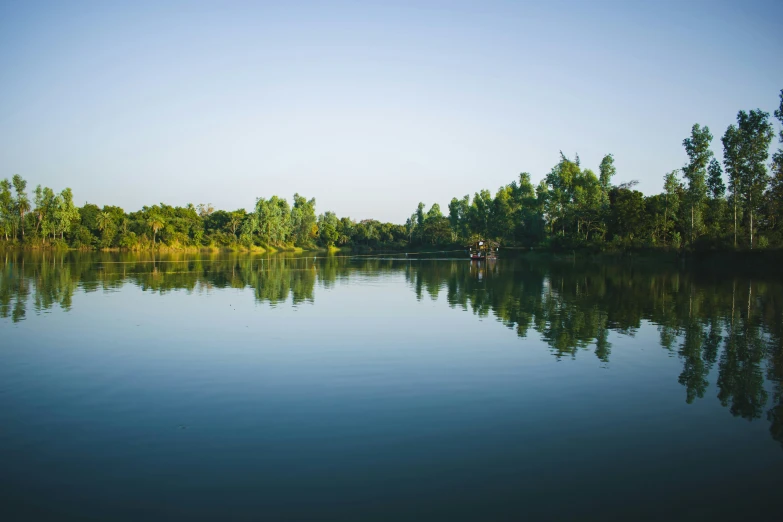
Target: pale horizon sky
(368, 107)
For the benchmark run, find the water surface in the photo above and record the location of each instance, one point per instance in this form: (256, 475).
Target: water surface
(238, 387)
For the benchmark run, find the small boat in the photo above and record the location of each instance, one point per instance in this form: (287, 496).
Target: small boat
(483, 249)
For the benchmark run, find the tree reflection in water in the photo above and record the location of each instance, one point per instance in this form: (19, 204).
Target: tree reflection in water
(707, 320)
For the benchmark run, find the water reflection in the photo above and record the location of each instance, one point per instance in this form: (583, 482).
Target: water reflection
(706, 320)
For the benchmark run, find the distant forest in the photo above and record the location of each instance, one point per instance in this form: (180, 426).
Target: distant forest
(704, 205)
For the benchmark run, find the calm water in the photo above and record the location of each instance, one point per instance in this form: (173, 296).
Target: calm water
(278, 388)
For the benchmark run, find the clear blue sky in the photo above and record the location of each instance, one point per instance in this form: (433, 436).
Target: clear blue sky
(369, 108)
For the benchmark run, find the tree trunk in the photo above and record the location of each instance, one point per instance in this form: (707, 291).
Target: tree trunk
(735, 221)
(691, 225)
(751, 221)
(665, 212)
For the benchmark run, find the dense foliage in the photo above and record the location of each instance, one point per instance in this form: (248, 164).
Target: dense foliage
(571, 207)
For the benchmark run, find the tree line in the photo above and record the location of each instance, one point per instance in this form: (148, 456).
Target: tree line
(736, 203)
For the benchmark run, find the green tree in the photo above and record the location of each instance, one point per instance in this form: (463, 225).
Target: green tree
(303, 220)
(434, 212)
(410, 226)
(606, 171)
(697, 146)
(715, 184)
(249, 229)
(628, 213)
(328, 225)
(588, 201)
(155, 222)
(88, 219)
(561, 183)
(746, 150)
(542, 202)
(757, 134)
(435, 231)
(775, 195)
(503, 213)
(65, 212)
(481, 213)
(22, 201)
(104, 221)
(459, 217)
(420, 216)
(6, 208)
(345, 230)
(273, 218)
(671, 192)
(716, 190)
(235, 221)
(733, 160)
(529, 220)
(44, 201)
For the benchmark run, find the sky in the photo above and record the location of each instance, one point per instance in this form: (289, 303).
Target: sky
(368, 107)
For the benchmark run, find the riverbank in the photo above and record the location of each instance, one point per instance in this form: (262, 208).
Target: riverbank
(723, 259)
(160, 248)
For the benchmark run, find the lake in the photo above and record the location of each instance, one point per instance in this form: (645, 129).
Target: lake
(312, 387)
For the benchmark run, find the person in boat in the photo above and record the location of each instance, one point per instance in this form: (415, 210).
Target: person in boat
(483, 249)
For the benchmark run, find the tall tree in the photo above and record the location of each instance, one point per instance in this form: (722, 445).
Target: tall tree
(410, 226)
(459, 217)
(454, 217)
(715, 183)
(274, 219)
(529, 221)
(561, 181)
(234, 221)
(746, 150)
(303, 220)
(606, 171)
(22, 201)
(587, 202)
(38, 199)
(327, 228)
(733, 160)
(697, 146)
(503, 213)
(104, 221)
(716, 189)
(434, 212)
(68, 213)
(671, 191)
(6, 208)
(481, 213)
(155, 222)
(249, 227)
(420, 215)
(756, 134)
(775, 198)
